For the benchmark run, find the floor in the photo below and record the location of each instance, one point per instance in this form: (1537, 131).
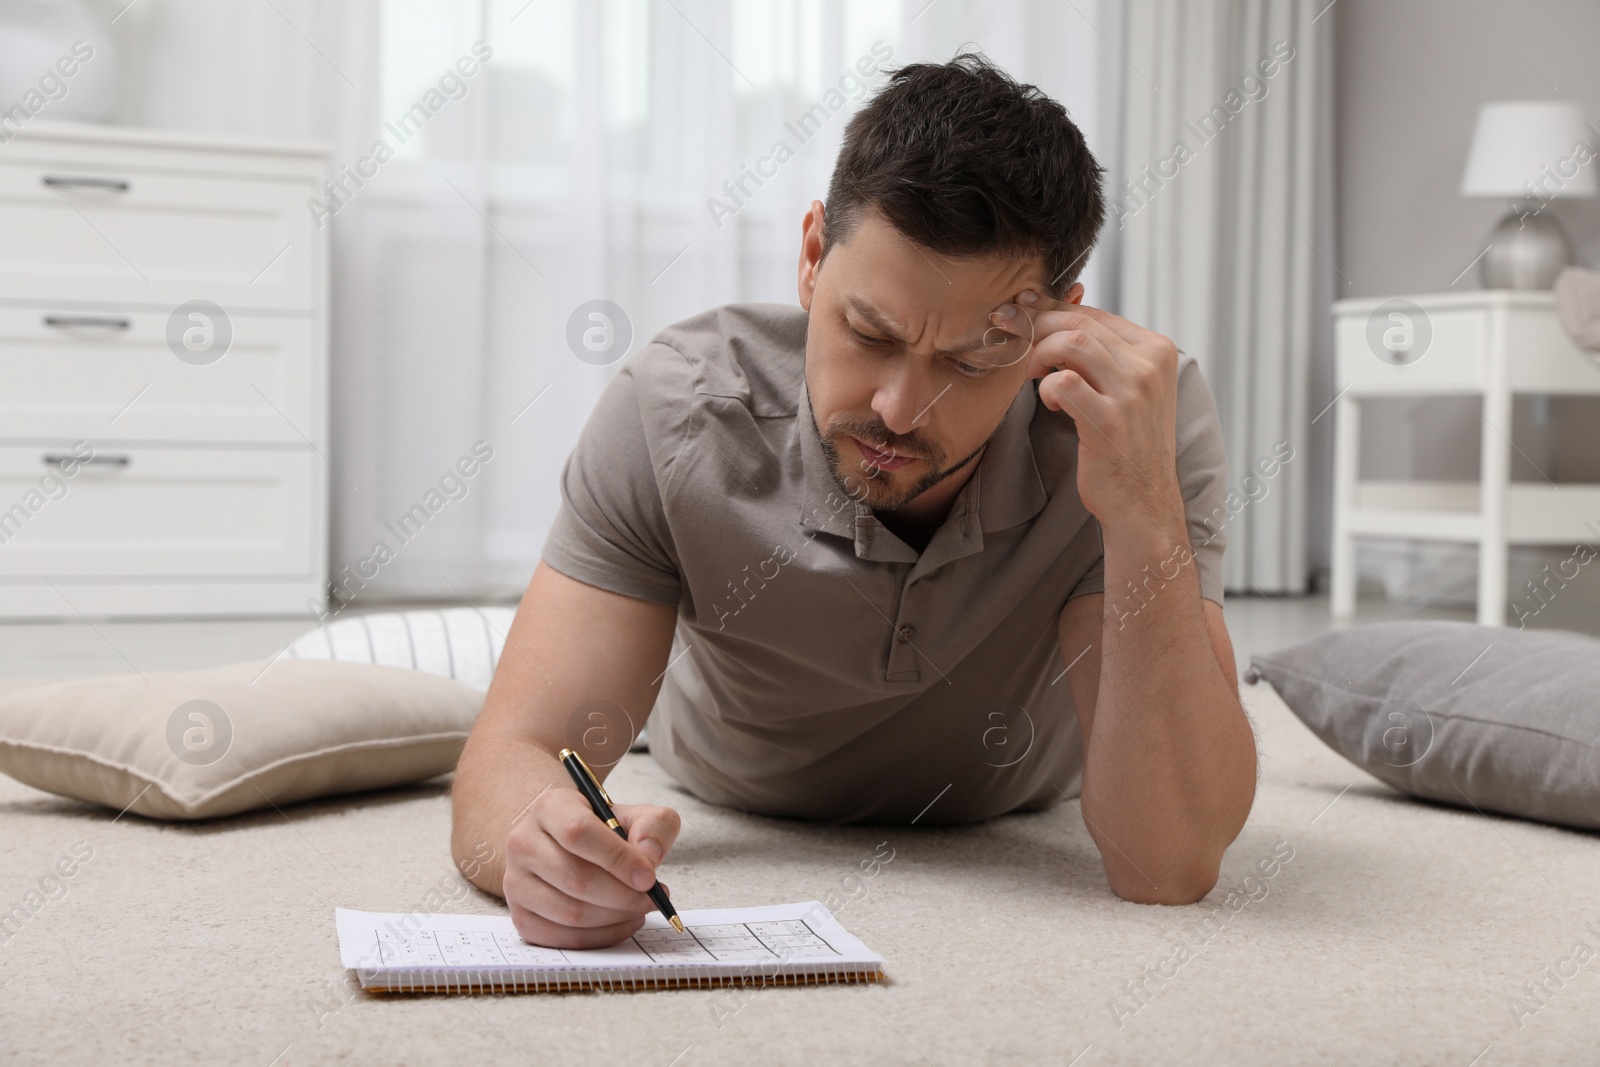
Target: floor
(83, 648)
(1349, 925)
(1401, 932)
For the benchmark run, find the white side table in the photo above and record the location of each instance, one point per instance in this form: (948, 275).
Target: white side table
(1487, 346)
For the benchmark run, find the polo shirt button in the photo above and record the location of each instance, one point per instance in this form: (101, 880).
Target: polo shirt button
(906, 633)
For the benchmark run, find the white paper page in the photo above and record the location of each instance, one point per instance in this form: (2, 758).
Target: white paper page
(800, 933)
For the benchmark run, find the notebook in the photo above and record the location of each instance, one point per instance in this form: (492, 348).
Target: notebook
(783, 944)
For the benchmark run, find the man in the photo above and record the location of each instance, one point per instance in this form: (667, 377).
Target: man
(931, 547)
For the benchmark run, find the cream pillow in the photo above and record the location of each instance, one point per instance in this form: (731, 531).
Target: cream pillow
(201, 744)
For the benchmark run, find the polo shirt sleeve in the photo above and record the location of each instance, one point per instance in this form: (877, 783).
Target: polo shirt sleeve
(611, 530)
(1203, 478)
(1202, 475)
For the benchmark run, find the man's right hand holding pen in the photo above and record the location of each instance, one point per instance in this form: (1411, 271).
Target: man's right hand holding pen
(520, 828)
(571, 882)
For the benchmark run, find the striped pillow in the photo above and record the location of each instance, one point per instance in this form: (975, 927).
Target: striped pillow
(459, 643)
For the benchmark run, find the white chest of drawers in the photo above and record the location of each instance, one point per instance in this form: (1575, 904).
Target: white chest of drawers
(163, 311)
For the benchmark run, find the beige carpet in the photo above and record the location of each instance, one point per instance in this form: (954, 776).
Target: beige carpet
(1398, 933)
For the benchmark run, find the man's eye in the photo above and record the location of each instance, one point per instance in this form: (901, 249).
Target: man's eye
(972, 370)
(870, 342)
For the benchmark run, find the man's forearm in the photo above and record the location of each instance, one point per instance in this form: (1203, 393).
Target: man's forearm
(1170, 767)
(496, 781)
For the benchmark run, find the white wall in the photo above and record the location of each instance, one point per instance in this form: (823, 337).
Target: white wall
(1410, 77)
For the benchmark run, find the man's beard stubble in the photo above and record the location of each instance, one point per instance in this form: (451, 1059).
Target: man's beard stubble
(872, 481)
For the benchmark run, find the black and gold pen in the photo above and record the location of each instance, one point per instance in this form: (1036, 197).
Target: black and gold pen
(595, 793)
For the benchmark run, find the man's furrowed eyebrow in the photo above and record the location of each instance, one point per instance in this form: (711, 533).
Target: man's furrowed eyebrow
(876, 320)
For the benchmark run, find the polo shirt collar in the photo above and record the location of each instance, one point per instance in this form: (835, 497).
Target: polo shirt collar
(1004, 491)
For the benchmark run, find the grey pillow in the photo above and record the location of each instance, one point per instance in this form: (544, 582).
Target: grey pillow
(1476, 716)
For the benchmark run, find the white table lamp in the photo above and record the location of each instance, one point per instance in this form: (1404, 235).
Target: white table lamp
(1531, 152)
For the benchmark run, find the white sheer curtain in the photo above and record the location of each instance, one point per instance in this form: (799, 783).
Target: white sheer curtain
(1227, 240)
(575, 164)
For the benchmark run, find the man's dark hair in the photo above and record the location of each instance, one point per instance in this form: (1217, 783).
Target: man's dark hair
(963, 160)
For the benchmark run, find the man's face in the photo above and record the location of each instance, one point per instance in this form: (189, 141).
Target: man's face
(907, 380)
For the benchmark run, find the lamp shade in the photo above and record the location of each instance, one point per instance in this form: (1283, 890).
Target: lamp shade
(1530, 148)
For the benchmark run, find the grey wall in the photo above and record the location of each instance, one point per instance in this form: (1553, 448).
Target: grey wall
(1410, 76)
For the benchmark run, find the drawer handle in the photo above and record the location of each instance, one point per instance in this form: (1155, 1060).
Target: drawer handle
(59, 459)
(107, 322)
(58, 181)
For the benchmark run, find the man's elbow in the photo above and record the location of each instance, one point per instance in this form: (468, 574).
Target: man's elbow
(1176, 887)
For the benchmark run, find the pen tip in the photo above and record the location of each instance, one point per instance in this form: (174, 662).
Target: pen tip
(675, 921)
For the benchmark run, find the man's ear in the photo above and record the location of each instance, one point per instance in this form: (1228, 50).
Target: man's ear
(810, 252)
(1074, 294)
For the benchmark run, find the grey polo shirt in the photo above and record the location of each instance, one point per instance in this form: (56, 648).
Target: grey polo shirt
(821, 667)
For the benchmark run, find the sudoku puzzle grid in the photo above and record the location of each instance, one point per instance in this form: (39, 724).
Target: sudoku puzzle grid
(781, 939)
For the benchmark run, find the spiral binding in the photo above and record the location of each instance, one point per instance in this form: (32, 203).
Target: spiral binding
(449, 981)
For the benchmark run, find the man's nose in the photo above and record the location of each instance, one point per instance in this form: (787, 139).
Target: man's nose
(904, 399)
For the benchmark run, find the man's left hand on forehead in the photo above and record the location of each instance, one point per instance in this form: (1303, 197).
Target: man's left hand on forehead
(1119, 383)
